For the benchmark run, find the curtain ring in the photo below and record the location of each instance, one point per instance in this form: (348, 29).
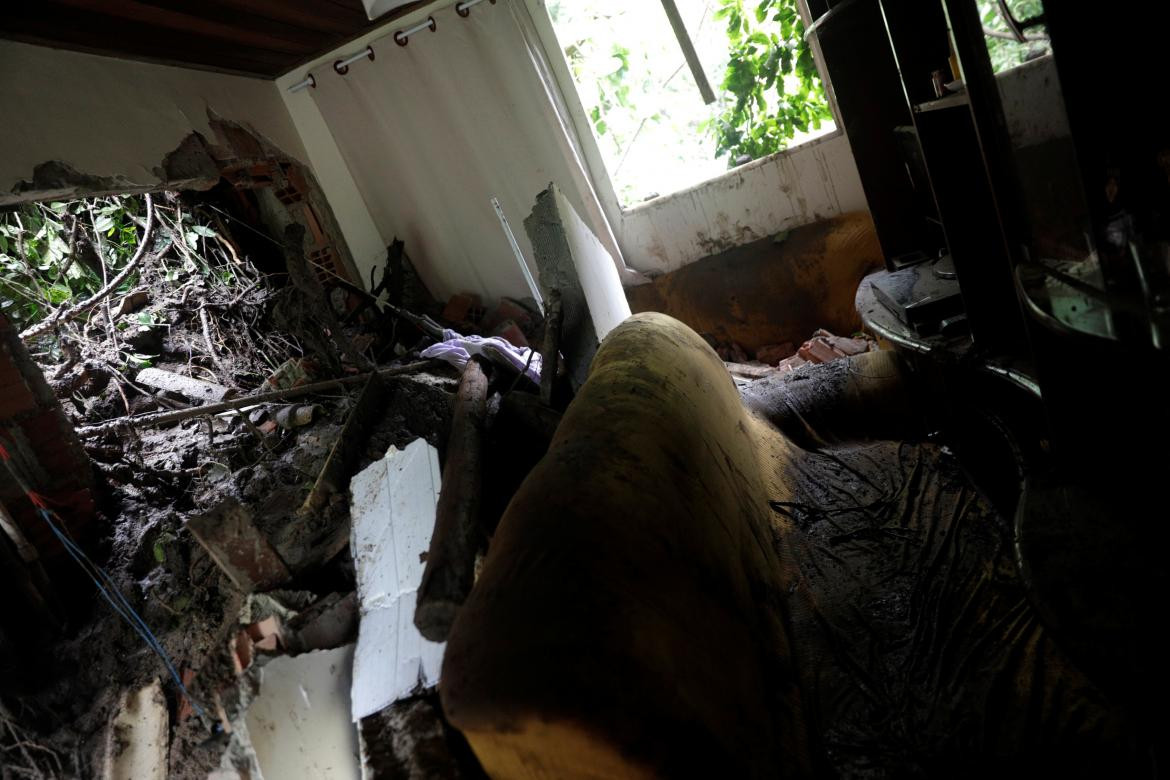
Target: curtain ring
(464, 8)
(342, 66)
(402, 37)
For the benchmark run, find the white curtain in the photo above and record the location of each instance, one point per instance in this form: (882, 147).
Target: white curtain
(433, 130)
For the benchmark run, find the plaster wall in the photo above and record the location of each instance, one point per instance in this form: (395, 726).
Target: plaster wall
(116, 120)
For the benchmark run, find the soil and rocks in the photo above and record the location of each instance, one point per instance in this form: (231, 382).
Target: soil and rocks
(201, 310)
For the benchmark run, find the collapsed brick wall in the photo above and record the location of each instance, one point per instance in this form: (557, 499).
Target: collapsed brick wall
(34, 428)
(234, 154)
(42, 445)
(249, 164)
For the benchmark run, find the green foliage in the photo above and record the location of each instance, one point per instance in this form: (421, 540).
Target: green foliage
(774, 89)
(654, 132)
(55, 255)
(1006, 54)
(40, 263)
(613, 91)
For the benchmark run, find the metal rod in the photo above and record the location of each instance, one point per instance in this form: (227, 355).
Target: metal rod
(464, 8)
(342, 66)
(162, 418)
(308, 82)
(402, 37)
(688, 50)
(535, 290)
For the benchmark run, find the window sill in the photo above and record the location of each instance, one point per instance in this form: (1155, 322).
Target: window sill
(730, 174)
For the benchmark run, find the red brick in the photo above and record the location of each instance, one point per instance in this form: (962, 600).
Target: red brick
(460, 307)
(78, 504)
(314, 225)
(296, 178)
(508, 309)
(186, 709)
(818, 350)
(241, 647)
(261, 630)
(510, 332)
(65, 466)
(238, 548)
(791, 364)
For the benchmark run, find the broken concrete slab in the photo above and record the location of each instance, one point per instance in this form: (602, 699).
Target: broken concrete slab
(195, 389)
(571, 259)
(393, 511)
(138, 737)
(299, 722)
(239, 549)
(327, 624)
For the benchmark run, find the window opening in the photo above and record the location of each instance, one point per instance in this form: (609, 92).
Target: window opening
(655, 133)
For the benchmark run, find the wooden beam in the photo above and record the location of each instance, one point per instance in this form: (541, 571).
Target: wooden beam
(450, 570)
(167, 19)
(309, 17)
(94, 33)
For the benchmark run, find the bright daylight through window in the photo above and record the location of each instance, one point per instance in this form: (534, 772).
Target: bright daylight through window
(655, 133)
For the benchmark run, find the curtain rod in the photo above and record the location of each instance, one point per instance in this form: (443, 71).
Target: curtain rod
(400, 37)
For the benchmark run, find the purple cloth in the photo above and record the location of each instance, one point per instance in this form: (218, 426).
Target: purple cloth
(457, 350)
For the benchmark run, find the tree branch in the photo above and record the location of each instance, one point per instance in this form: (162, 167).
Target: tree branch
(66, 313)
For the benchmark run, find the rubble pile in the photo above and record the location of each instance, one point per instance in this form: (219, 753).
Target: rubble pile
(225, 521)
(822, 347)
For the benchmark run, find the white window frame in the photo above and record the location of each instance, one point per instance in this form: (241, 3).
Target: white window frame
(583, 127)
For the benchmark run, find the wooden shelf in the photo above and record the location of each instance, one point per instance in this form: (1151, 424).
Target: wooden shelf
(954, 100)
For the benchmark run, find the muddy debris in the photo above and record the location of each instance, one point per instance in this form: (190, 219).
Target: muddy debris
(226, 531)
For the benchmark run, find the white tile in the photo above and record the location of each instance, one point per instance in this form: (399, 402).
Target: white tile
(299, 722)
(393, 515)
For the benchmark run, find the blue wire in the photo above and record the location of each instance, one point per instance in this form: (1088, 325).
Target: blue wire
(125, 611)
(97, 574)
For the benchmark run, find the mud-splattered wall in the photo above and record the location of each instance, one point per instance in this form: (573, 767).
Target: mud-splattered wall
(809, 183)
(772, 291)
(806, 184)
(114, 120)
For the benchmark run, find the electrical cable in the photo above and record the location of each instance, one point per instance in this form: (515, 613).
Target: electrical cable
(109, 590)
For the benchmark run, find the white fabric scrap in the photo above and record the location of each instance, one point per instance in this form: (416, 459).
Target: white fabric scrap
(457, 350)
(393, 510)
